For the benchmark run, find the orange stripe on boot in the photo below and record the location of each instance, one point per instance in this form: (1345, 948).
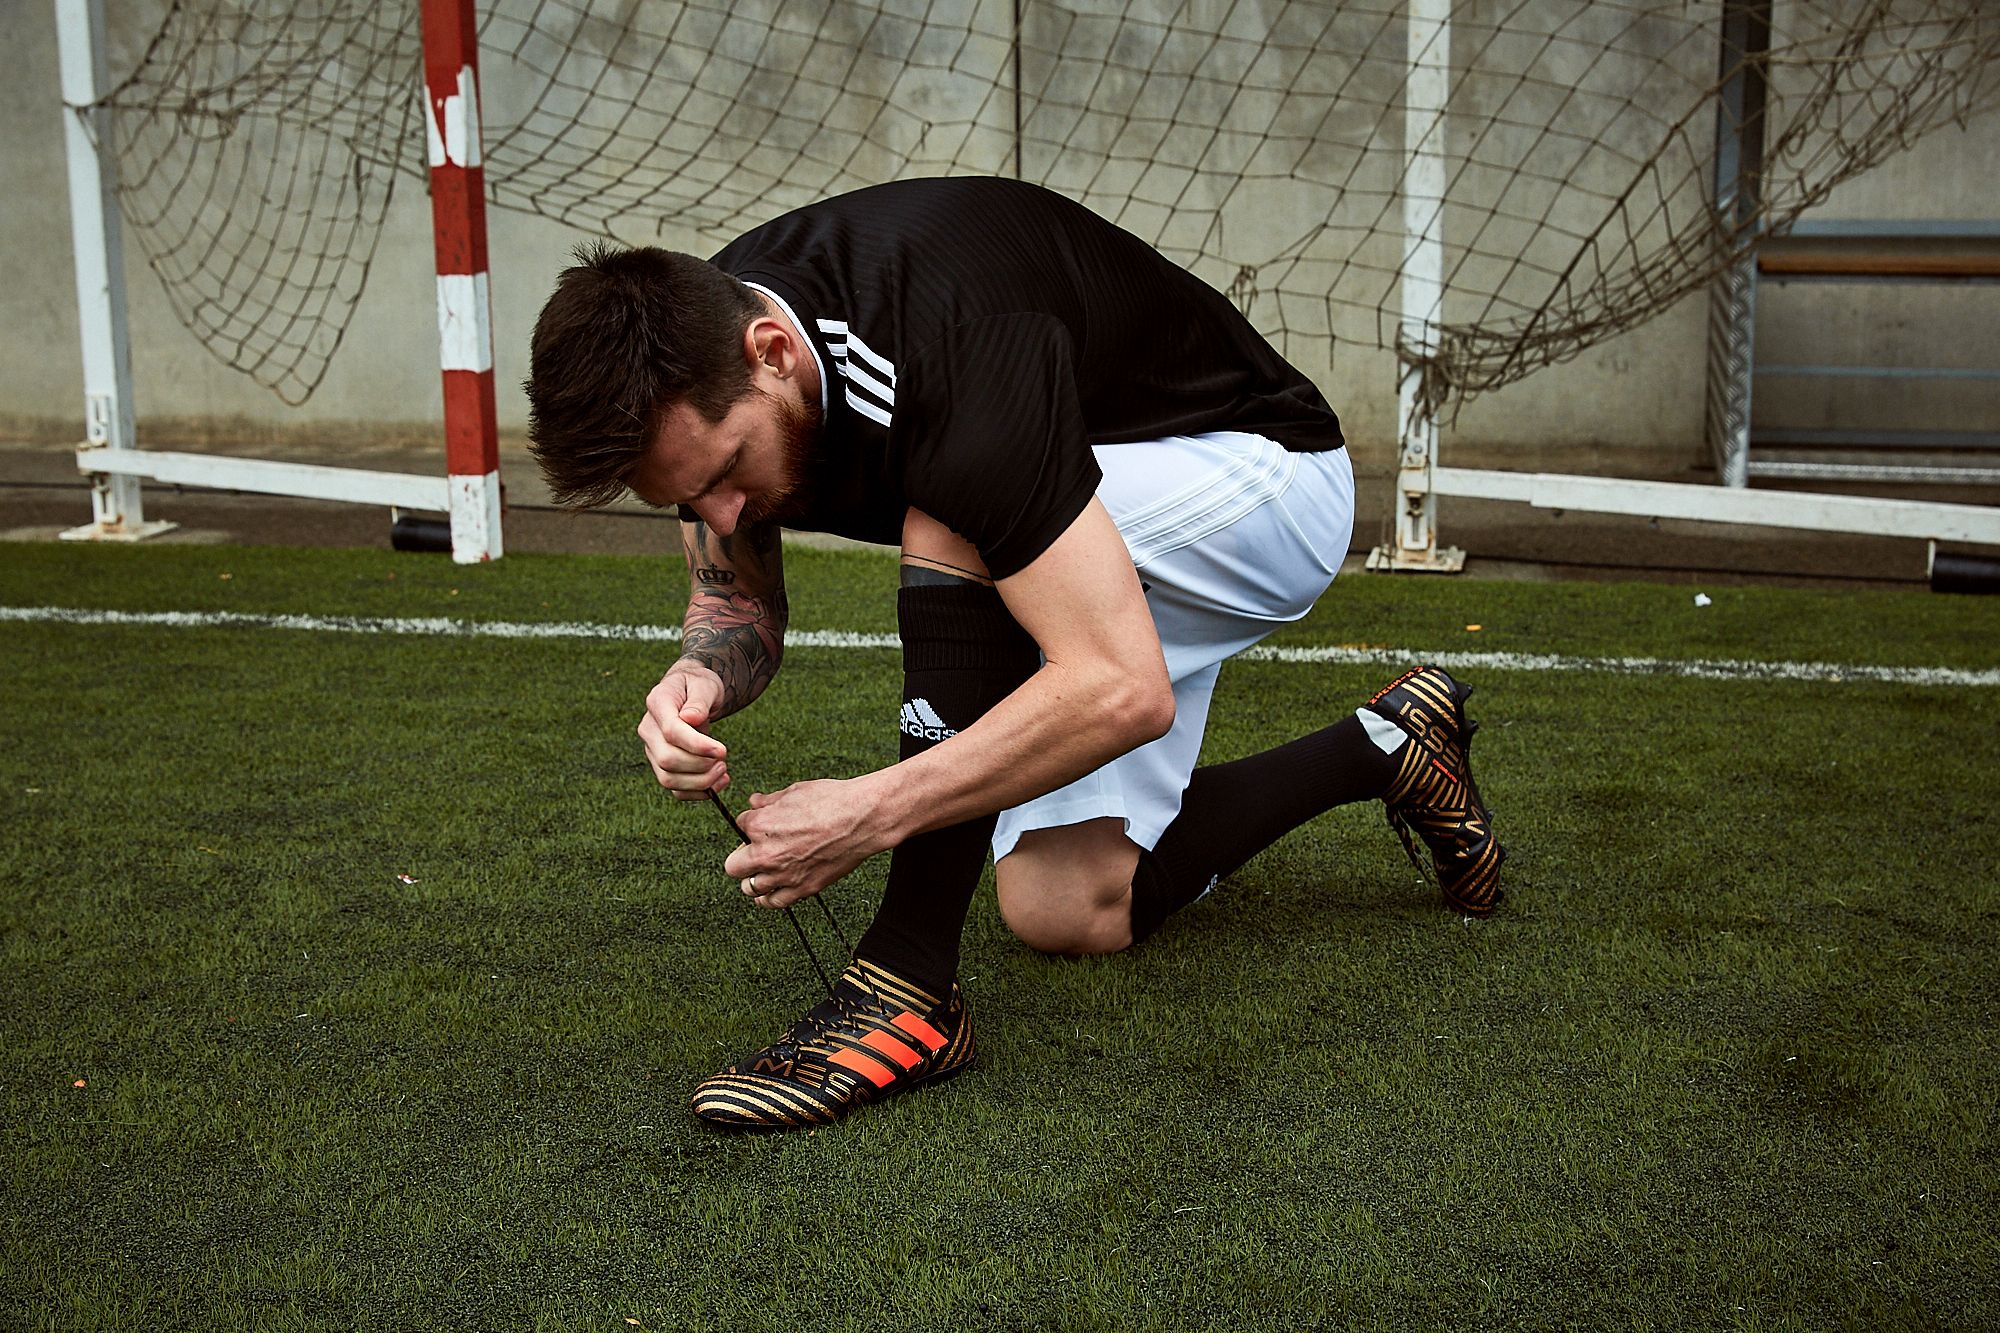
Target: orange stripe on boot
(873, 1070)
(922, 1031)
(879, 1040)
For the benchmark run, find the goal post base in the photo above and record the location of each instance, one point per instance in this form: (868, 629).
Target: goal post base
(1387, 559)
(118, 532)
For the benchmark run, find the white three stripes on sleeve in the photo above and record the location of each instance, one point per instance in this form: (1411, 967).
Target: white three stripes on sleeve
(870, 376)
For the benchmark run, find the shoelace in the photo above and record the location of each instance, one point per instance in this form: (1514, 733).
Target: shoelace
(1402, 827)
(839, 1010)
(819, 898)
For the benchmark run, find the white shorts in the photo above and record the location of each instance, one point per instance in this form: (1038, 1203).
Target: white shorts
(1233, 536)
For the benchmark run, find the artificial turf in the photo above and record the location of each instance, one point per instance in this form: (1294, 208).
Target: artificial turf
(355, 980)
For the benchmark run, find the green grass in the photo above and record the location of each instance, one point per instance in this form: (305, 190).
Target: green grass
(1725, 1060)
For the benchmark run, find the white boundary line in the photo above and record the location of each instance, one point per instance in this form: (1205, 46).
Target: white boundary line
(438, 626)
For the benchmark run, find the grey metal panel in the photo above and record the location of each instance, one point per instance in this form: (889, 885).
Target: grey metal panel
(1796, 437)
(1898, 279)
(1913, 229)
(1957, 476)
(1883, 372)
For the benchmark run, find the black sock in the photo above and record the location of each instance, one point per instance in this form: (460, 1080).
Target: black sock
(1232, 811)
(962, 653)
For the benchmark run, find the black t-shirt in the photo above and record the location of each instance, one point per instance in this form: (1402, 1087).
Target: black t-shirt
(980, 335)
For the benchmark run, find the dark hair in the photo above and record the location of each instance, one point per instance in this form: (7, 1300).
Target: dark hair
(628, 334)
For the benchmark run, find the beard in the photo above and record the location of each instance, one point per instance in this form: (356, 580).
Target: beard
(799, 425)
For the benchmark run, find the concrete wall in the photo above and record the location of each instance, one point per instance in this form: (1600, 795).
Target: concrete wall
(1633, 403)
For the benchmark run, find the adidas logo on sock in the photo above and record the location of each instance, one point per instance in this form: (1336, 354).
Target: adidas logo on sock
(921, 721)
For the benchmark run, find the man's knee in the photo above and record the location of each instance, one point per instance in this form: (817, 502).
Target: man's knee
(1049, 924)
(1069, 891)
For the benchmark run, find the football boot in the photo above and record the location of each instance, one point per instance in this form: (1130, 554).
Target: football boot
(874, 1036)
(1434, 795)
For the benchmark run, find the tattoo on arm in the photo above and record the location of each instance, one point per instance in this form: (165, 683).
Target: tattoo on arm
(735, 623)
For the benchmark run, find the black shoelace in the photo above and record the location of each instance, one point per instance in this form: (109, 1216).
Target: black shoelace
(790, 916)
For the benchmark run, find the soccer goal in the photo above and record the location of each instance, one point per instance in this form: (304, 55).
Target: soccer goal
(251, 160)
(1477, 189)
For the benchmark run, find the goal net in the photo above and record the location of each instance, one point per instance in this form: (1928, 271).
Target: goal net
(1261, 143)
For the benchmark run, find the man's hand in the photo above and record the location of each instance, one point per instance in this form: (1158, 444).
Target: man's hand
(732, 638)
(686, 760)
(802, 839)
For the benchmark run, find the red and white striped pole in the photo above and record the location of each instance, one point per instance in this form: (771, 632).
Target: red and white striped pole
(465, 315)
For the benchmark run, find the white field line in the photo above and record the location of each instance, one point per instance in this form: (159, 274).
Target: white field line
(438, 626)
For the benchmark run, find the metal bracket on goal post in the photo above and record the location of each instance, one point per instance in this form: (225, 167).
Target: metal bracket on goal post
(1426, 96)
(465, 314)
(1739, 175)
(117, 507)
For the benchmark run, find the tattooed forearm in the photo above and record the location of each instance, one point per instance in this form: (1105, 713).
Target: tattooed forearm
(737, 609)
(738, 637)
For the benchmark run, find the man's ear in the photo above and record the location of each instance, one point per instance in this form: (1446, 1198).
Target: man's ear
(767, 343)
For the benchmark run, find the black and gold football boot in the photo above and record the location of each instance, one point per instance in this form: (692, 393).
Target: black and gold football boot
(1434, 794)
(874, 1036)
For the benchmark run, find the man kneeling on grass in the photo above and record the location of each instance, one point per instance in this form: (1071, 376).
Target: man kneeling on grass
(1103, 482)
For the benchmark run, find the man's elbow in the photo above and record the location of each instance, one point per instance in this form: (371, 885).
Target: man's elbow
(1145, 709)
